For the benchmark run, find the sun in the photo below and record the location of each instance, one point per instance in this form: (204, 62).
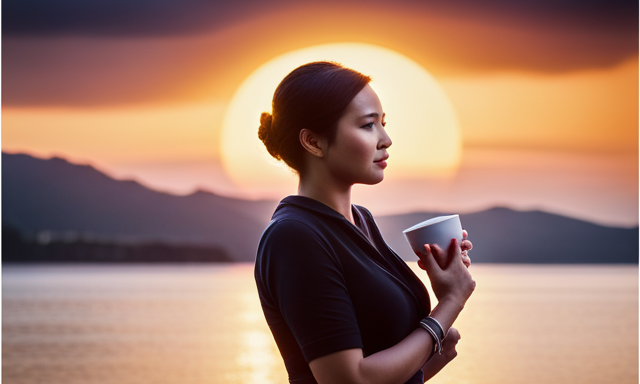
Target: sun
(420, 119)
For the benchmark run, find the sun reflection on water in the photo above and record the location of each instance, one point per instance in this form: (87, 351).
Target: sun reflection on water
(258, 356)
(204, 325)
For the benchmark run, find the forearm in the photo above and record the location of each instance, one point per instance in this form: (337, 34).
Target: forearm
(439, 361)
(393, 365)
(446, 312)
(398, 363)
(405, 352)
(434, 365)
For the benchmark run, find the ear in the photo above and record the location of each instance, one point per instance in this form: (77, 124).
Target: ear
(312, 143)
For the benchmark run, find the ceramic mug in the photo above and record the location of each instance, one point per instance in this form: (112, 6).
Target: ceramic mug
(438, 230)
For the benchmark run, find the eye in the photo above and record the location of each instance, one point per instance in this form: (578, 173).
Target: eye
(368, 126)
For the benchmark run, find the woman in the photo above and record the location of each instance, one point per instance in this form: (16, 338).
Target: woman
(342, 306)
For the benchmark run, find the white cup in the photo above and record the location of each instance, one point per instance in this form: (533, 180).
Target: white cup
(438, 230)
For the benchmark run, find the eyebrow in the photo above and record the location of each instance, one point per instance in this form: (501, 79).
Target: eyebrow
(373, 114)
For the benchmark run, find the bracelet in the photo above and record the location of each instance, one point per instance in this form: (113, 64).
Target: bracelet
(434, 328)
(439, 326)
(437, 344)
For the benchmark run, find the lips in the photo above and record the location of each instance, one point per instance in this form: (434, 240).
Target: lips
(385, 157)
(382, 163)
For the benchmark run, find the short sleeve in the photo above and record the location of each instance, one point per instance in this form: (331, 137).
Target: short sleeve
(306, 283)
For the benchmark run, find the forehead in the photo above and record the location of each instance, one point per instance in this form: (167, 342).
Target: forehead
(365, 102)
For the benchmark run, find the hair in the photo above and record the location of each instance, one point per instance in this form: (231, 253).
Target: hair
(312, 96)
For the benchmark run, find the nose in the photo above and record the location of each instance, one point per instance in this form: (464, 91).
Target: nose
(385, 140)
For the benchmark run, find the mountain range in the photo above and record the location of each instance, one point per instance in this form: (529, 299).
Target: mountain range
(55, 199)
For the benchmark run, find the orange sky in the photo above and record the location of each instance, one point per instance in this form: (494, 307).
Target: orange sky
(84, 69)
(151, 106)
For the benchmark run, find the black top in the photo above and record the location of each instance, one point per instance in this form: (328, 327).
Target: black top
(326, 285)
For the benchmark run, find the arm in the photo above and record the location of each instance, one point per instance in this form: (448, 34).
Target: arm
(397, 364)
(393, 365)
(437, 362)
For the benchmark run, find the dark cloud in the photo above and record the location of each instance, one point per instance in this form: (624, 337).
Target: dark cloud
(110, 17)
(171, 17)
(89, 52)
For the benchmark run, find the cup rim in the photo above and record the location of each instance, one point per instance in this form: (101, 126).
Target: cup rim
(429, 222)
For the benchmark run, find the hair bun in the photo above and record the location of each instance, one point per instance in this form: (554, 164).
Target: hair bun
(265, 133)
(265, 126)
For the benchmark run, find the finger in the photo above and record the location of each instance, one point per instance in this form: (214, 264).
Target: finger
(439, 255)
(429, 261)
(421, 256)
(465, 234)
(454, 252)
(464, 256)
(466, 245)
(453, 334)
(466, 261)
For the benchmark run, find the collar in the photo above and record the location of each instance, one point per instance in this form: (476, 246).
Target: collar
(312, 205)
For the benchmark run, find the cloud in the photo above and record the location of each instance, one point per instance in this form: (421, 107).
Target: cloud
(114, 52)
(117, 18)
(174, 17)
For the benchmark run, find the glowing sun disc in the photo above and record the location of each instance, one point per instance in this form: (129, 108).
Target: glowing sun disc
(420, 119)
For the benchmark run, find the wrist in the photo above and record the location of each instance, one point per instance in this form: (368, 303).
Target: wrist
(433, 326)
(446, 312)
(453, 303)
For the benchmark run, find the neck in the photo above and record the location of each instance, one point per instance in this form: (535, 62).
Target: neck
(327, 191)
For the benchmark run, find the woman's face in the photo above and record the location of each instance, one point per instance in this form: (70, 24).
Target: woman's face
(359, 150)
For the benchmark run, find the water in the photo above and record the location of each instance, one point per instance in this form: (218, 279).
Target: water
(192, 324)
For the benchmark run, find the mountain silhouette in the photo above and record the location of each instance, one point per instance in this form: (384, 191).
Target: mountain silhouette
(502, 235)
(66, 200)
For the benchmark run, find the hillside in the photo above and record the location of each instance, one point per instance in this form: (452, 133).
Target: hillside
(70, 202)
(502, 235)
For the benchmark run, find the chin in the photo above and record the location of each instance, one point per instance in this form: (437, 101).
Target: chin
(373, 180)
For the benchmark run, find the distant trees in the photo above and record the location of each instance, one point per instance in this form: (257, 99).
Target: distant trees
(18, 249)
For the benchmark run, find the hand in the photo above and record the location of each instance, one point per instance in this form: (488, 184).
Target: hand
(466, 246)
(452, 282)
(449, 344)
(437, 362)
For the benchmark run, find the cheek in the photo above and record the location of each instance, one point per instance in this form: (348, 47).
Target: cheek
(360, 148)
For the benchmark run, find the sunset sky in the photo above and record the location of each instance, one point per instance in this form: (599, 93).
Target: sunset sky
(545, 92)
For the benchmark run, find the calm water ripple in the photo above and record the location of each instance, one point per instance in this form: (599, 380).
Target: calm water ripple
(192, 324)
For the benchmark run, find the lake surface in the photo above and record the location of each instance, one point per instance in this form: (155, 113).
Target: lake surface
(192, 324)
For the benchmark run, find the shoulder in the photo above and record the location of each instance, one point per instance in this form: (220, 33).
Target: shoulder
(289, 228)
(289, 236)
(292, 246)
